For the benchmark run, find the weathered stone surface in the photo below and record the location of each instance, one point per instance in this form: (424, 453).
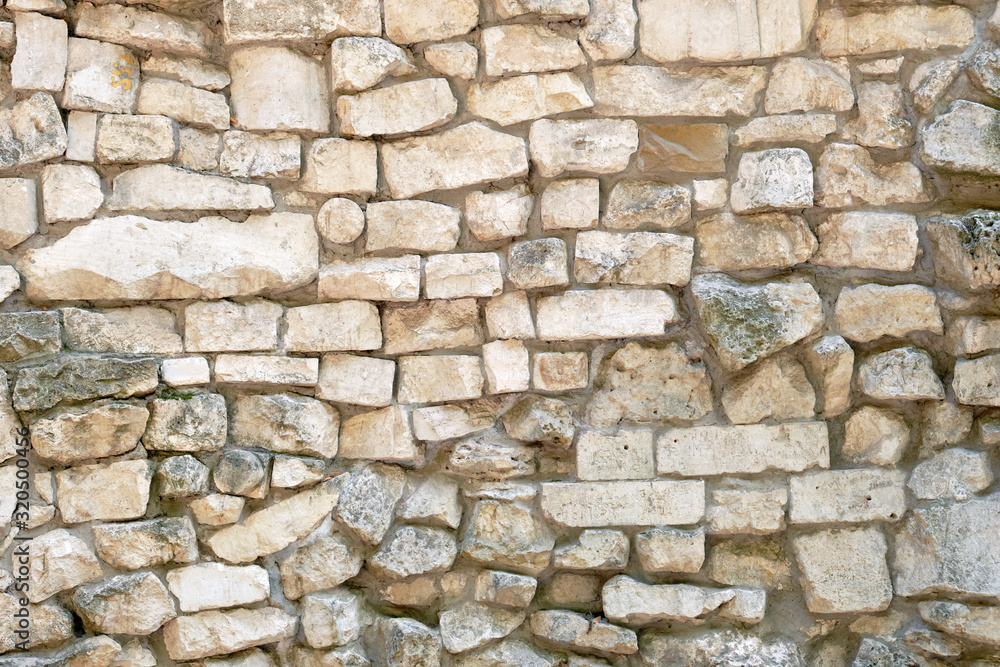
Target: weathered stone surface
(973, 334)
(945, 548)
(181, 477)
(492, 216)
(882, 120)
(552, 10)
(184, 103)
(111, 492)
(289, 472)
(763, 241)
(296, 100)
(383, 435)
(594, 550)
(808, 128)
(39, 62)
(358, 63)
(326, 327)
(194, 72)
(59, 561)
(407, 22)
(190, 424)
(502, 534)
(454, 59)
(609, 31)
(442, 422)
(404, 107)
(708, 648)
(746, 322)
(333, 619)
(747, 507)
(20, 202)
(607, 313)
(868, 240)
(571, 203)
(285, 423)
(28, 334)
(524, 48)
(377, 278)
(504, 588)
(669, 31)
(615, 456)
(139, 544)
(472, 625)
(271, 369)
(961, 247)
(136, 330)
(241, 473)
(439, 378)
(778, 178)
(597, 504)
(340, 221)
(217, 632)
(211, 258)
(346, 378)
(51, 625)
(599, 146)
(633, 90)
(82, 378)
(903, 373)
(776, 388)
(466, 155)
(540, 420)
(212, 586)
(844, 570)
(800, 84)
(130, 604)
(930, 80)
(224, 326)
(404, 642)
(462, 275)
(697, 148)
(662, 550)
(491, 456)
(368, 501)
(69, 435)
(143, 29)
(750, 563)
(954, 473)
(959, 139)
(329, 561)
(567, 629)
(875, 436)
(718, 450)
(275, 527)
(70, 192)
(538, 263)
(847, 175)
(521, 98)
(641, 258)
(32, 131)
(299, 20)
(559, 371)
(340, 166)
(629, 601)
(853, 496)
(247, 155)
(166, 188)
(868, 312)
(975, 623)
(505, 363)
(888, 30)
(974, 379)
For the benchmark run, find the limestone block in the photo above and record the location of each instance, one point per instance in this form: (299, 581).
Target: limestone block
(747, 507)
(575, 631)
(340, 166)
(298, 20)
(808, 128)
(599, 146)
(100, 77)
(507, 535)
(639, 90)
(762, 241)
(524, 48)
(637, 204)
(19, 201)
(571, 203)
(383, 435)
(847, 175)
(615, 456)
(529, 97)
(505, 363)
(144, 30)
(640, 258)
(333, 327)
(438, 324)
(192, 71)
(224, 326)
(184, 103)
(78, 433)
(775, 388)
(458, 60)
(70, 192)
(609, 31)
(903, 373)
(358, 63)
(266, 369)
(875, 436)
(662, 550)
(340, 221)
(606, 313)
(559, 371)
(60, 561)
(778, 178)
(404, 107)
(247, 155)
(629, 601)
(39, 61)
(145, 138)
(217, 632)
(800, 84)
(887, 30)
(954, 473)
(109, 492)
(372, 279)
(844, 570)
(509, 316)
(492, 216)
(131, 604)
(143, 544)
(598, 504)
(295, 100)
(409, 21)
(33, 131)
(439, 378)
(347, 378)
(868, 312)
(868, 240)
(852, 496)
(213, 586)
(697, 148)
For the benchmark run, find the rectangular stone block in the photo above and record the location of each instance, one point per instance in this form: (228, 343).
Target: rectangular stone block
(848, 496)
(346, 378)
(724, 450)
(372, 279)
(39, 61)
(596, 504)
(633, 90)
(432, 325)
(224, 326)
(475, 274)
(893, 29)
(608, 313)
(747, 507)
(333, 327)
(138, 330)
(381, 435)
(622, 455)
(439, 378)
(264, 369)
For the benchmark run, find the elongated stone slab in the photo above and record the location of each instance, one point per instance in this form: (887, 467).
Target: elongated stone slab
(724, 450)
(608, 313)
(160, 187)
(624, 90)
(595, 504)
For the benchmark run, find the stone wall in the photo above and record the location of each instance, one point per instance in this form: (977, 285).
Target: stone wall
(512, 333)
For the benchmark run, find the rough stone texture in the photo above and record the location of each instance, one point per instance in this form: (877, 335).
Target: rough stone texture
(868, 240)
(875, 436)
(131, 604)
(954, 473)
(844, 570)
(848, 175)
(217, 632)
(903, 373)
(851, 496)
(764, 241)
(868, 312)
(70, 435)
(776, 388)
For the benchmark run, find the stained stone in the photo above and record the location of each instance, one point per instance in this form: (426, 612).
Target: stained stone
(507, 535)
(762, 241)
(844, 570)
(632, 602)
(903, 373)
(609, 31)
(848, 175)
(87, 90)
(778, 178)
(73, 434)
(523, 48)
(329, 561)
(599, 146)
(143, 544)
(698, 149)
(799, 84)
(521, 98)
(414, 550)
(972, 622)
(368, 500)
(576, 631)
(472, 625)
(954, 473)
(130, 604)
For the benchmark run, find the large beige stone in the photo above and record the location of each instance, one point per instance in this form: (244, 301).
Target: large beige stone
(875, 436)
(409, 21)
(70, 435)
(110, 492)
(629, 601)
(284, 423)
(954, 473)
(439, 378)
(776, 388)
(88, 90)
(213, 585)
(466, 155)
(720, 450)
(892, 29)
(567, 629)
(298, 20)
(346, 378)
(777, 178)
(847, 175)
(851, 496)
(598, 504)
(136, 330)
(70, 192)
(340, 166)
(959, 139)
(382, 435)
(167, 188)
(459, 60)
(868, 312)
(59, 561)
(144, 544)
(401, 108)
(224, 326)
(507, 535)
(412, 225)
(764, 241)
(296, 100)
(248, 155)
(358, 63)
(210, 258)
(882, 120)
(903, 373)
(333, 327)
(974, 380)
(973, 334)
(599, 146)
(436, 324)
(844, 570)
(971, 622)
(492, 216)
(640, 258)
(609, 31)
(184, 103)
(615, 456)
(217, 632)
(635, 90)
(523, 48)
(670, 31)
(33, 130)
(874, 240)
(372, 279)
(39, 61)
(798, 128)
(517, 99)
(129, 604)
(143, 29)
(138, 138)
(606, 313)
(747, 507)
(800, 84)
(192, 71)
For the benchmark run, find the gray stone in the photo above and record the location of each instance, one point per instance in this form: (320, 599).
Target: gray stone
(285, 423)
(567, 629)
(970, 622)
(874, 652)
(241, 473)
(142, 544)
(182, 424)
(129, 604)
(32, 131)
(182, 476)
(778, 178)
(28, 334)
(959, 140)
(79, 378)
(903, 373)
(961, 248)
(538, 263)
(505, 589)
(368, 501)
(414, 550)
(954, 473)
(402, 642)
(97, 430)
(471, 625)
(716, 647)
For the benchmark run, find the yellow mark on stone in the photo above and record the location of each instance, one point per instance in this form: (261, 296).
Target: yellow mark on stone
(123, 72)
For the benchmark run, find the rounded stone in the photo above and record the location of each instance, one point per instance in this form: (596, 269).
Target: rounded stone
(340, 221)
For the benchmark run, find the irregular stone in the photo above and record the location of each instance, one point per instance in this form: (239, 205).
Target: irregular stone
(184, 103)
(844, 570)
(746, 322)
(358, 63)
(471, 625)
(641, 258)
(217, 509)
(540, 420)
(875, 436)
(405, 107)
(110, 492)
(329, 561)
(670, 32)
(421, 164)
(382, 435)
(955, 473)
(538, 263)
(131, 604)
(198, 150)
(973, 334)
(492, 216)
(33, 131)
(375, 278)
(439, 378)
(961, 248)
(458, 60)
(891, 29)
(746, 563)
(332, 619)
(524, 48)
(346, 378)
(599, 146)
(778, 178)
(368, 500)
(598, 504)
(629, 601)
(505, 589)
(717, 450)
(404, 642)
(140, 544)
(51, 625)
(407, 22)
(73, 434)
(571, 203)
(875, 240)
(144, 30)
(853, 496)
(82, 378)
(971, 622)
(607, 313)
(491, 456)
(28, 334)
(190, 424)
(662, 550)
(609, 31)
(59, 561)
(193, 72)
(289, 472)
(88, 89)
(848, 176)
(809, 128)
(414, 550)
(594, 550)
(297, 100)
(274, 252)
(521, 98)
(882, 120)
(432, 325)
(247, 155)
(559, 371)
(463, 274)
(501, 534)
(800, 84)
(136, 330)
(443, 422)
(182, 476)
(568, 629)
(39, 61)
(747, 507)
(19, 201)
(10, 281)
(325, 327)
(868, 312)
(903, 373)
(776, 388)
(958, 140)
(275, 527)
(299, 20)
(508, 316)
(711, 194)
(212, 585)
(945, 424)
(763, 241)
(930, 80)
(434, 501)
(708, 648)
(636, 90)
(974, 378)
(167, 188)
(241, 473)
(218, 632)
